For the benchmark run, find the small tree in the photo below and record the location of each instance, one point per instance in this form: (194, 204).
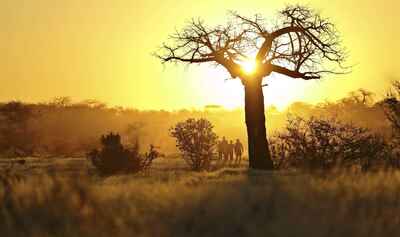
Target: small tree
(196, 140)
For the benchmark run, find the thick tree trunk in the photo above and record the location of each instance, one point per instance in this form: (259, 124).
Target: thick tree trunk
(259, 154)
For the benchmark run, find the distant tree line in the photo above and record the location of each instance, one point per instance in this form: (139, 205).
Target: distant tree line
(63, 128)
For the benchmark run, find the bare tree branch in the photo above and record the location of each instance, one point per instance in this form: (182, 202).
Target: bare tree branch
(301, 45)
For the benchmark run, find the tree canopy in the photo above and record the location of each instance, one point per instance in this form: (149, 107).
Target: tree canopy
(300, 43)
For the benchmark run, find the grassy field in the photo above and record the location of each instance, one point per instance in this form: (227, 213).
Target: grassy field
(50, 198)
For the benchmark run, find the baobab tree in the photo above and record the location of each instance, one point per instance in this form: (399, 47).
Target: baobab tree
(300, 44)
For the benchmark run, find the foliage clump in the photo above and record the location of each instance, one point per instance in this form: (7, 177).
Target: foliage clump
(17, 138)
(318, 143)
(391, 107)
(196, 140)
(113, 158)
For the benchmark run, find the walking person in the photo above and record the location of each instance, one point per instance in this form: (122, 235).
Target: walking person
(231, 147)
(220, 151)
(225, 149)
(238, 152)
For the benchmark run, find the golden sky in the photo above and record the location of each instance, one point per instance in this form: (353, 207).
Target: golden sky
(101, 49)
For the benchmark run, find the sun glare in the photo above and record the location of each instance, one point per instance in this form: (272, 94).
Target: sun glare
(230, 93)
(248, 66)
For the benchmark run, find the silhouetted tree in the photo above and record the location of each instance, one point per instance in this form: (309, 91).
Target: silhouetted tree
(196, 140)
(62, 101)
(361, 96)
(302, 45)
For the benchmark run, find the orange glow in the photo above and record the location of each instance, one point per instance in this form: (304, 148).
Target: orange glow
(103, 50)
(249, 66)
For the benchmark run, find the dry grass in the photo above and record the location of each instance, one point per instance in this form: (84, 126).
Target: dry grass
(229, 202)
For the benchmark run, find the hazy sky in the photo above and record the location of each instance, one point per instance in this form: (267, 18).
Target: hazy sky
(101, 49)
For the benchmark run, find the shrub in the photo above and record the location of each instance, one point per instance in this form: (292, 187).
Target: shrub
(17, 137)
(327, 143)
(391, 107)
(113, 158)
(196, 141)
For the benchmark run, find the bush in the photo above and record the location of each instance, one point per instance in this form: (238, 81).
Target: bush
(196, 141)
(17, 137)
(326, 144)
(391, 107)
(113, 158)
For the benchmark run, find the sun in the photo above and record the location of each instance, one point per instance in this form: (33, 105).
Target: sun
(249, 66)
(279, 91)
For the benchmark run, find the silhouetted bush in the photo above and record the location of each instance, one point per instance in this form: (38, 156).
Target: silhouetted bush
(113, 158)
(327, 143)
(391, 106)
(196, 141)
(17, 138)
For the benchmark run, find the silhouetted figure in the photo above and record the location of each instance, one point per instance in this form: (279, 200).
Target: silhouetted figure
(238, 151)
(220, 150)
(225, 149)
(231, 147)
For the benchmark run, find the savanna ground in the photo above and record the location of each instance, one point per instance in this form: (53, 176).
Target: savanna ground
(59, 197)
